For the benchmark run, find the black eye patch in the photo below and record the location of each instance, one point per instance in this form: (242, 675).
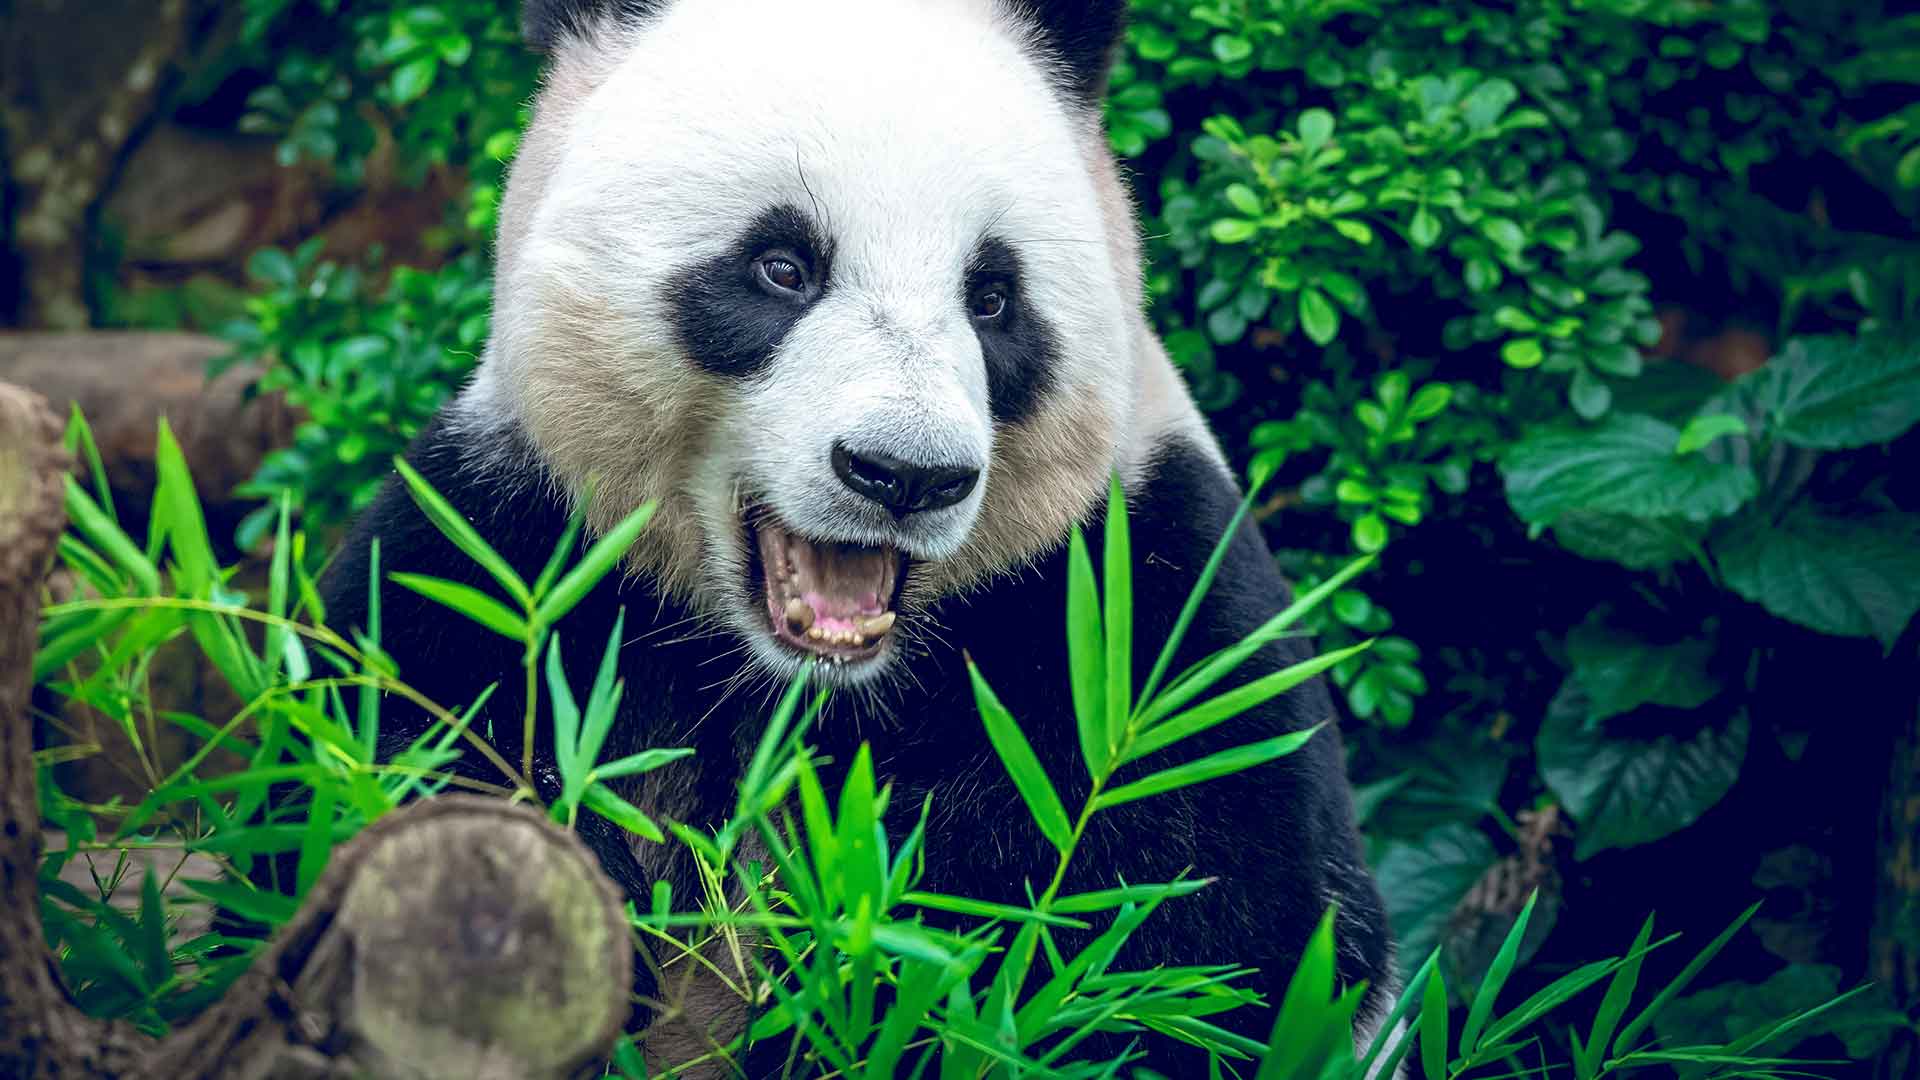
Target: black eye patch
(1020, 349)
(727, 321)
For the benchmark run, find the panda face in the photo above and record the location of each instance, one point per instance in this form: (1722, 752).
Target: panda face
(834, 284)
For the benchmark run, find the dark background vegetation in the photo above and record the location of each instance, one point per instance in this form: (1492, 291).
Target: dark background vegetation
(1599, 321)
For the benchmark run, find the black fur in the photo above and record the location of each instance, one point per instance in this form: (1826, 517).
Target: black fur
(544, 24)
(1281, 839)
(729, 323)
(1082, 35)
(1020, 349)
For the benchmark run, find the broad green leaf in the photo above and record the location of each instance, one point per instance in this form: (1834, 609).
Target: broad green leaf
(1086, 658)
(1211, 767)
(1316, 127)
(1837, 393)
(468, 601)
(1634, 542)
(462, 533)
(1725, 1013)
(1621, 672)
(601, 558)
(1624, 790)
(1855, 577)
(1318, 317)
(1425, 879)
(1625, 465)
(1021, 764)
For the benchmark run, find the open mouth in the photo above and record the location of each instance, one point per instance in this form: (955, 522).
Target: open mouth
(824, 599)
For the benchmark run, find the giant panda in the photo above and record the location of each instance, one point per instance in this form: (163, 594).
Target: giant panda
(851, 290)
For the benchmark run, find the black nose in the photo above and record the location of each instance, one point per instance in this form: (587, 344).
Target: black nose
(903, 488)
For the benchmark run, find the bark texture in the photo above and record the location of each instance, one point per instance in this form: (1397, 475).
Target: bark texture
(460, 938)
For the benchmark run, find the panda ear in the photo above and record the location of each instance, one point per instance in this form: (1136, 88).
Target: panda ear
(1082, 35)
(544, 24)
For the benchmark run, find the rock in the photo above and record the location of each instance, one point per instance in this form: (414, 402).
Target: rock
(124, 382)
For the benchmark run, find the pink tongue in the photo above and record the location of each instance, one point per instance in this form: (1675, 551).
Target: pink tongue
(840, 581)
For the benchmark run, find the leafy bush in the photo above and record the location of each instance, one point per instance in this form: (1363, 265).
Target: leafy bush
(839, 904)
(1412, 259)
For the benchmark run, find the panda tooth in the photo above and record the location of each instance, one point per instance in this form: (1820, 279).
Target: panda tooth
(877, 625)
(799, 615)
(814, 633)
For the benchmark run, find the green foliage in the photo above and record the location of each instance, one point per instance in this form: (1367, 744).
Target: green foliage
(367, 369)
(1408, 257)
(856, 980)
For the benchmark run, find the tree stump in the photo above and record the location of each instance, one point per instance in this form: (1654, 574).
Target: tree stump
(462, 938)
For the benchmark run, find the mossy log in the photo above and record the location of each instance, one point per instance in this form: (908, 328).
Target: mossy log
(459, 937)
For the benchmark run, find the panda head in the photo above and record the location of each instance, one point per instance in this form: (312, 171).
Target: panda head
(847, 287)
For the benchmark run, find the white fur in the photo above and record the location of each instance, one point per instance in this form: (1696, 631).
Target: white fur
(911, 129)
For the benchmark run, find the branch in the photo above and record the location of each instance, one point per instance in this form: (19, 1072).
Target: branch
(460, 937)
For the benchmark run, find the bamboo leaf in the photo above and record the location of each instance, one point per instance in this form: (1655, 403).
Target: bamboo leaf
(1433, 1028)
(1211, 767)
(1021, 764)
(1117, 579)
(602, 557)
(1679, 984)
(1086, 658)
(461, 533)
(635, 764)
(1503, 961)
(601, 800)
(1201, 587)
(1197, 679)
(1234, 702)
(468, 601)
(1586, 1060)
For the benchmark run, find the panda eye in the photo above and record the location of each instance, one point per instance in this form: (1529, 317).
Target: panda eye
(782, 272)
(989, 303)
